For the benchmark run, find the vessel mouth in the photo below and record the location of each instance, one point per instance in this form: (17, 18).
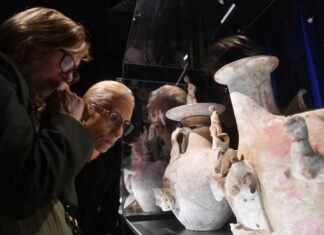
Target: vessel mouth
(230, 72)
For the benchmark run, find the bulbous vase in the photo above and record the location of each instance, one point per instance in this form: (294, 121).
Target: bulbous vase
(187, 178)
(146, 172)
(143, 182)
(286, 153)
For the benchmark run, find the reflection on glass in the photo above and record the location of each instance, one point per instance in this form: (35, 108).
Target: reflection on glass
(164, 31)
(147, 152)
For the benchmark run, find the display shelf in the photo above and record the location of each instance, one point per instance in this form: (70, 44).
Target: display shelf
(163, 224)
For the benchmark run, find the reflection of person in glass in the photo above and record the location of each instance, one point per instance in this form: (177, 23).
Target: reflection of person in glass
(151, 151)
(110, 106)
(160, 101)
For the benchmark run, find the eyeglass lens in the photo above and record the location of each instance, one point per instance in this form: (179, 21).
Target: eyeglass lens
(114, 118)
(67, 65)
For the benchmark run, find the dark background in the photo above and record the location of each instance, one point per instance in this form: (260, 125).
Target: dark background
(107, 23)
(288, 29)
(292, 30)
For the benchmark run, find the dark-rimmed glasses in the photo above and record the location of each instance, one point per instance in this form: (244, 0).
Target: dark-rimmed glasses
(67, 65)
(112, 117)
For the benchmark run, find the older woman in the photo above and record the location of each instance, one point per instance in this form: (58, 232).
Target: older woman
(109, 109)
(40, 51)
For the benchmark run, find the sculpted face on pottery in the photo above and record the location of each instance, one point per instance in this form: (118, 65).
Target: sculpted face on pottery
(236, 181)
(306, 164)
(243, 193)
(286, 153)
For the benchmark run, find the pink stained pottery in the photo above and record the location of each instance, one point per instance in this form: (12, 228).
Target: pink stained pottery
(284, 153)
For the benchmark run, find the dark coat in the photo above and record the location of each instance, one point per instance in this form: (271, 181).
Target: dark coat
(36, 165)
(98, 193)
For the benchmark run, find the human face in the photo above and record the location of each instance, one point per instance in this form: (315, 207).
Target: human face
(52, 71)
(102, 126)
(159, 125)
(156, 116)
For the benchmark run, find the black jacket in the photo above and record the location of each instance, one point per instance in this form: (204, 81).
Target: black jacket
(98, 193)
(35, 165)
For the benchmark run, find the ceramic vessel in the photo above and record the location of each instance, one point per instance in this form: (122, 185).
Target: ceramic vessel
(144, 181)
(187, 178)
(286, 153)
(146, 172)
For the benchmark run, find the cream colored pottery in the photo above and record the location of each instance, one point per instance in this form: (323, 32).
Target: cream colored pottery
(143, 181)
(182, 112)
(146, 174)
(187, 178)
(286, 153)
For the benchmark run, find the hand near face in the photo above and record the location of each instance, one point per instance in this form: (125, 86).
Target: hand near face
(65, 102)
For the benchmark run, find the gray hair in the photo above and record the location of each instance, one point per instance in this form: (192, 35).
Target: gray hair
(106, 92)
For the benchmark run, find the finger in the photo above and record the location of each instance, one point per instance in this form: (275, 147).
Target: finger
(54, 99)
(64, 86)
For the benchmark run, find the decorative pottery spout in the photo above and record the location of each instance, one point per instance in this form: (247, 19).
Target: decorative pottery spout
(286, 153)
(187, 178)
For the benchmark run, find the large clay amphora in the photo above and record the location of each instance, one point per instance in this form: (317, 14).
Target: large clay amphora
(187, 179)
(285, 152)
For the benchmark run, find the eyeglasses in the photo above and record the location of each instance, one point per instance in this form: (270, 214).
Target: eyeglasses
(67, 65)
(112, 118)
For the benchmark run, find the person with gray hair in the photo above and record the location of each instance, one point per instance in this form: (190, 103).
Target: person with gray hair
(40, 51)
(110, 106)
(107, 116)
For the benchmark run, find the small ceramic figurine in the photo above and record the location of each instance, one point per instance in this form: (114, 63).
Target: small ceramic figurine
(216, 131)
(191, 88)
(306, 164)
(237, 182)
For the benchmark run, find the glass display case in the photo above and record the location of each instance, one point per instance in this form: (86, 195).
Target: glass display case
(170, 39)
(146, 154)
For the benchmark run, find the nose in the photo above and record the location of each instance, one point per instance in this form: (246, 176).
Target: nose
(68, 77)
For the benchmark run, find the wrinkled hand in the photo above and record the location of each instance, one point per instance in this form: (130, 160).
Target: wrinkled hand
(65, 102)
